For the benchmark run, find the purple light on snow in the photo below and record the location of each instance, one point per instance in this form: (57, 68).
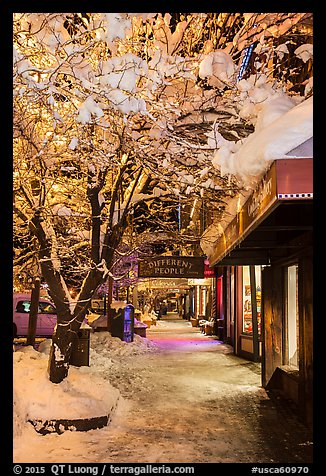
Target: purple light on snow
(174, 343)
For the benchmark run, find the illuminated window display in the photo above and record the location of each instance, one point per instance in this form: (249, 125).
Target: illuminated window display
(247, 302)
(292, 317)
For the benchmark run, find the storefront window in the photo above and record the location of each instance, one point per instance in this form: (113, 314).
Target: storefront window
(247, 301)
(203, 300)
(198, 313)
(292, 316)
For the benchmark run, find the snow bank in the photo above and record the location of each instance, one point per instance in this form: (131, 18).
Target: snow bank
(104, 346)
(80, 395)
(83, 394)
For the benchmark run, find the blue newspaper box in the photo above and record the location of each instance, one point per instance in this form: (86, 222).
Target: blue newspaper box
(122, 323)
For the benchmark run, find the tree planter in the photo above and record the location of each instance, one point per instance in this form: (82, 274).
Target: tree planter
(194, 322)
(60, 425)
(148, 322)
(208, 329)
(140, 331)
(45, 427)
(140, 328)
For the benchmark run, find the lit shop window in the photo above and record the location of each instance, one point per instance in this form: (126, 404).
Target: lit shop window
(292, 317)
(232, 295)
(247, 301)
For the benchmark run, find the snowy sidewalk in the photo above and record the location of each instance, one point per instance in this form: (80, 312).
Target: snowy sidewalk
(185, 398)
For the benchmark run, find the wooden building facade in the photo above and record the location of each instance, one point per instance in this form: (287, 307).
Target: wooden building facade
(265, 258)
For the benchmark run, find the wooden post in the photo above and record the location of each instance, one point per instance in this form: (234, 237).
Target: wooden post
(135, 297)
(272, 320)
(254, 313)
(306, 337)
(32, 321)
(128, 289)
(105, 304)
(109, 301)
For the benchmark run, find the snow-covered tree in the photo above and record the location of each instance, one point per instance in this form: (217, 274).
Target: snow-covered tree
(117, 118)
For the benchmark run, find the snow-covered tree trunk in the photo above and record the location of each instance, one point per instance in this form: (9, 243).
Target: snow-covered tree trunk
(70, 313)
(68, 325)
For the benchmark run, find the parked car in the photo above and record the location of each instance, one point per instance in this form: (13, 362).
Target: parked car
(46, 317)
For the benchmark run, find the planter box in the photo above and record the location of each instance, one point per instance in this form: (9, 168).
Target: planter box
(140, 331)
(45, 427)
(208, 330)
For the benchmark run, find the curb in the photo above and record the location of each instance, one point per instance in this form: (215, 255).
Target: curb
(59, 426)
(45, 427)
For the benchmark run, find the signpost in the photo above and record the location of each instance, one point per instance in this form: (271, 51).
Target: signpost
(32, 321)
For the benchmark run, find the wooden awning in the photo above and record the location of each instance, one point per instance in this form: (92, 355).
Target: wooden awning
(274, 219)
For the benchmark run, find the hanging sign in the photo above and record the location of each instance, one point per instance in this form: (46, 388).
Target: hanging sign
(171, 267)
(208, 271)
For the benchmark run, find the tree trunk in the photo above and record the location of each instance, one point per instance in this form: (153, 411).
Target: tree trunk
(60, 354)
(68, 321)
(67, 327)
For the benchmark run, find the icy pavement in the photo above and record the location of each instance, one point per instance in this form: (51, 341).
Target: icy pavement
(185, 398)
